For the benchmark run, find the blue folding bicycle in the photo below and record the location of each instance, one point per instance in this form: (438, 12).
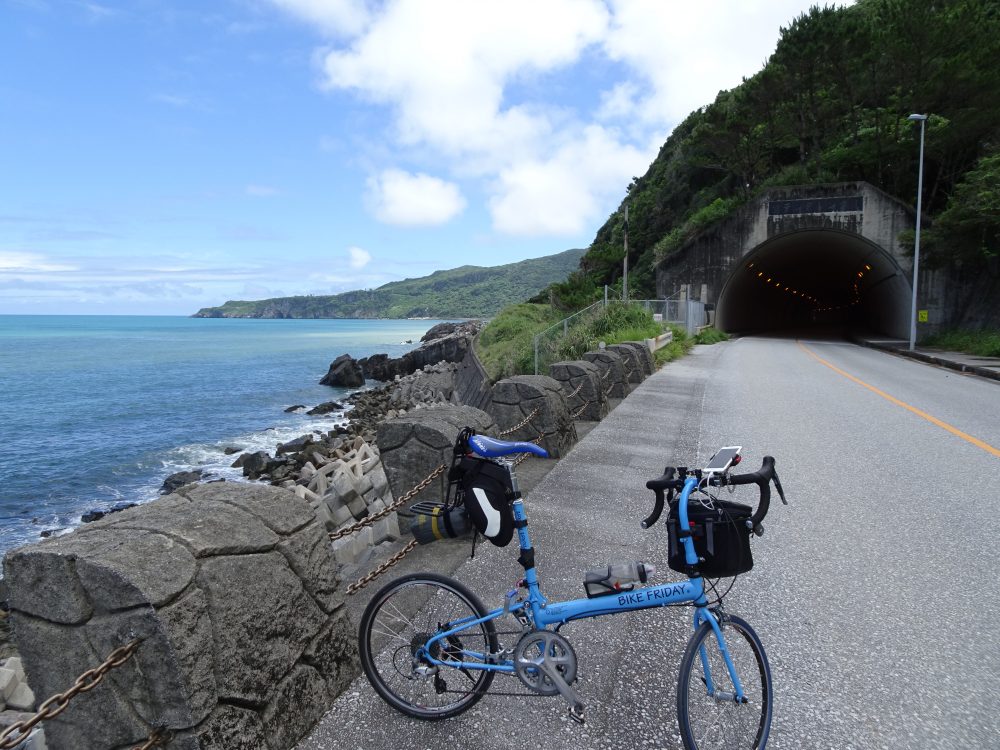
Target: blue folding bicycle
(430, 648)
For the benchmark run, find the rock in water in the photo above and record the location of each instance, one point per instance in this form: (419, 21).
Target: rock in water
(325, 408)
(177, 480)
(344, 373)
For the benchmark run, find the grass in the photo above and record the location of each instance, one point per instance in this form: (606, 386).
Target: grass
(505, 346)
(984, 343)
(676, 349)
(710, 335)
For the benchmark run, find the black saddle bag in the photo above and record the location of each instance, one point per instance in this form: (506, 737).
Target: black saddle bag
(486, 491)
(721, 537)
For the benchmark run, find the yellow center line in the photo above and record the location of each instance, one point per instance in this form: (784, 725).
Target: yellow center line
(933, 420)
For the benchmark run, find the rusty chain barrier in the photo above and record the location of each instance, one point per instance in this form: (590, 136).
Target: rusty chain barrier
(521, 424)
(579, 411)
(159, 738)
(376, 572)
(403, 499)
(400, 502)
(523, 456)
(368, 578)
(578, 389)
(19, 731)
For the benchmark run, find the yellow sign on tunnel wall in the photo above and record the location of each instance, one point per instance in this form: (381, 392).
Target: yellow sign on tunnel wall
(922, 316)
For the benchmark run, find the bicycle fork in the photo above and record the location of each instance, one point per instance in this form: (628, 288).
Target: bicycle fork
(722, 696)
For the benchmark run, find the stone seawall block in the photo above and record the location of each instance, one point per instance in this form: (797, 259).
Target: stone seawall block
(234, 592)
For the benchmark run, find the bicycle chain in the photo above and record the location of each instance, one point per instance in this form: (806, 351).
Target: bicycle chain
(403, 499)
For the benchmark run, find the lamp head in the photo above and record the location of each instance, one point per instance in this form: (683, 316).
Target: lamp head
(917, 118)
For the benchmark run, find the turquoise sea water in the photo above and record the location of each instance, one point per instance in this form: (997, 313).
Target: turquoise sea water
(99, 410)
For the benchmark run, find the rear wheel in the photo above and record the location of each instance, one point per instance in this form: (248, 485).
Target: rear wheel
(707, 709)
(395, 627)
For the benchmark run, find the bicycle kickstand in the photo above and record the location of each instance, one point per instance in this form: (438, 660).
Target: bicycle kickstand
(576, 707)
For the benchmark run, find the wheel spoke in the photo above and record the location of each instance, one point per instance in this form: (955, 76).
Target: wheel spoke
(718, 721)
(410, 611)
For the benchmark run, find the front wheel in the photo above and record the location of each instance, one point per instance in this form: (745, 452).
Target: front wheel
(708, 711)
(395, 628)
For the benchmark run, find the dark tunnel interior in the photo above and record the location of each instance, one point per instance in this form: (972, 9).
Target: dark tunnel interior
(816, 279)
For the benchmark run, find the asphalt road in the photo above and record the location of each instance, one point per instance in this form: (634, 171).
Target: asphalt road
(875, 592)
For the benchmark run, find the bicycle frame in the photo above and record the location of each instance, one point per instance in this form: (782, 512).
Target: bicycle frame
(545, 614)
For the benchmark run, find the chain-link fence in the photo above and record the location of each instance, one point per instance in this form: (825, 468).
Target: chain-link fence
(688, 313)
(550, 344)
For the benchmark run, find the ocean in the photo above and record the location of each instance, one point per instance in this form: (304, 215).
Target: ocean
(98, 410)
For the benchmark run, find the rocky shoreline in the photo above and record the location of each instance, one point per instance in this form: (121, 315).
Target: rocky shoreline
(420, 378)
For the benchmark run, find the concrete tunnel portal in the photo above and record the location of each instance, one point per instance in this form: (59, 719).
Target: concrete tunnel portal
(816, 278)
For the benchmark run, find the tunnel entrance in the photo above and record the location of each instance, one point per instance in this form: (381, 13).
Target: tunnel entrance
(816, 278)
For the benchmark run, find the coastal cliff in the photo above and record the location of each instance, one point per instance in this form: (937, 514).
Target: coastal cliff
(465, 292)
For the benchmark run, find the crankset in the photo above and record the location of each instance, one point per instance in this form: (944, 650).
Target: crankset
(546, 663)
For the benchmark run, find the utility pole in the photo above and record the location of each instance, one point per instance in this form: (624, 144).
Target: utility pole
(625, 274)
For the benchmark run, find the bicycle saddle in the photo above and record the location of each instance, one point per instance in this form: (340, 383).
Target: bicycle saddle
(488, 447)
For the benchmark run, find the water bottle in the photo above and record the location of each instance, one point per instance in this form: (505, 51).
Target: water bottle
(617, 577)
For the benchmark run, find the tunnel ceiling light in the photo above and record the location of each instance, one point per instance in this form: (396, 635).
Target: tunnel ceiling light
(867, 267)
(760, 273)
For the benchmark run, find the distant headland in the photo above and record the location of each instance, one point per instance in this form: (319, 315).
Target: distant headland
(464, 292)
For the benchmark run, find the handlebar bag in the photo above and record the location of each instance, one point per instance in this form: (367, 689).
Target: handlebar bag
(721, 536)
(488, 494)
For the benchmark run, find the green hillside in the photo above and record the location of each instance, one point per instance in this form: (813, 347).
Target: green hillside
(831, 105)
(465, 292)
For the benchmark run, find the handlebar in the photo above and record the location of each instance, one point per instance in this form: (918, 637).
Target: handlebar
(674, 478)
(666, 482)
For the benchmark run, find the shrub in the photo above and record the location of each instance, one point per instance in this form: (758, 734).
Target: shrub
(981, 343)
(710, 335)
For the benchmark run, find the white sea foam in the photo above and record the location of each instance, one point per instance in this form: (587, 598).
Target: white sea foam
(212, 459)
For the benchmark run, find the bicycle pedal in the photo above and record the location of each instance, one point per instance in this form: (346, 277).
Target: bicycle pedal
(576, 714)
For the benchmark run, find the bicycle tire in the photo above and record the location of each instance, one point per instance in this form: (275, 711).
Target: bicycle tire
(398, 620)
(708, 722)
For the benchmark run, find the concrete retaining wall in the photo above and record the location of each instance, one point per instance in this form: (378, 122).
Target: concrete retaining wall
(235, 594)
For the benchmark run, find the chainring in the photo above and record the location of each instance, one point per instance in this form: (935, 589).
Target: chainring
(543, 645)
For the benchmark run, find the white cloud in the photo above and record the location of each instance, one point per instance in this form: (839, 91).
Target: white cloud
(334, 17)
(20, 262)
(465, 87)
(359, 258)
(173, 100)
(685, 53)
(564, 193)
(444, 65)
(404, 199)
(261, 191)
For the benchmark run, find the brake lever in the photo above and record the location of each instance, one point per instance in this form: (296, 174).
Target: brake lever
(777, 486)
(657, 510)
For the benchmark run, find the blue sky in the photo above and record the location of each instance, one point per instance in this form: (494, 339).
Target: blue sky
(158, 156)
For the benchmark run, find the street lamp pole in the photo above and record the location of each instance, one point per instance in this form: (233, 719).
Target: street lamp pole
(916, 248)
